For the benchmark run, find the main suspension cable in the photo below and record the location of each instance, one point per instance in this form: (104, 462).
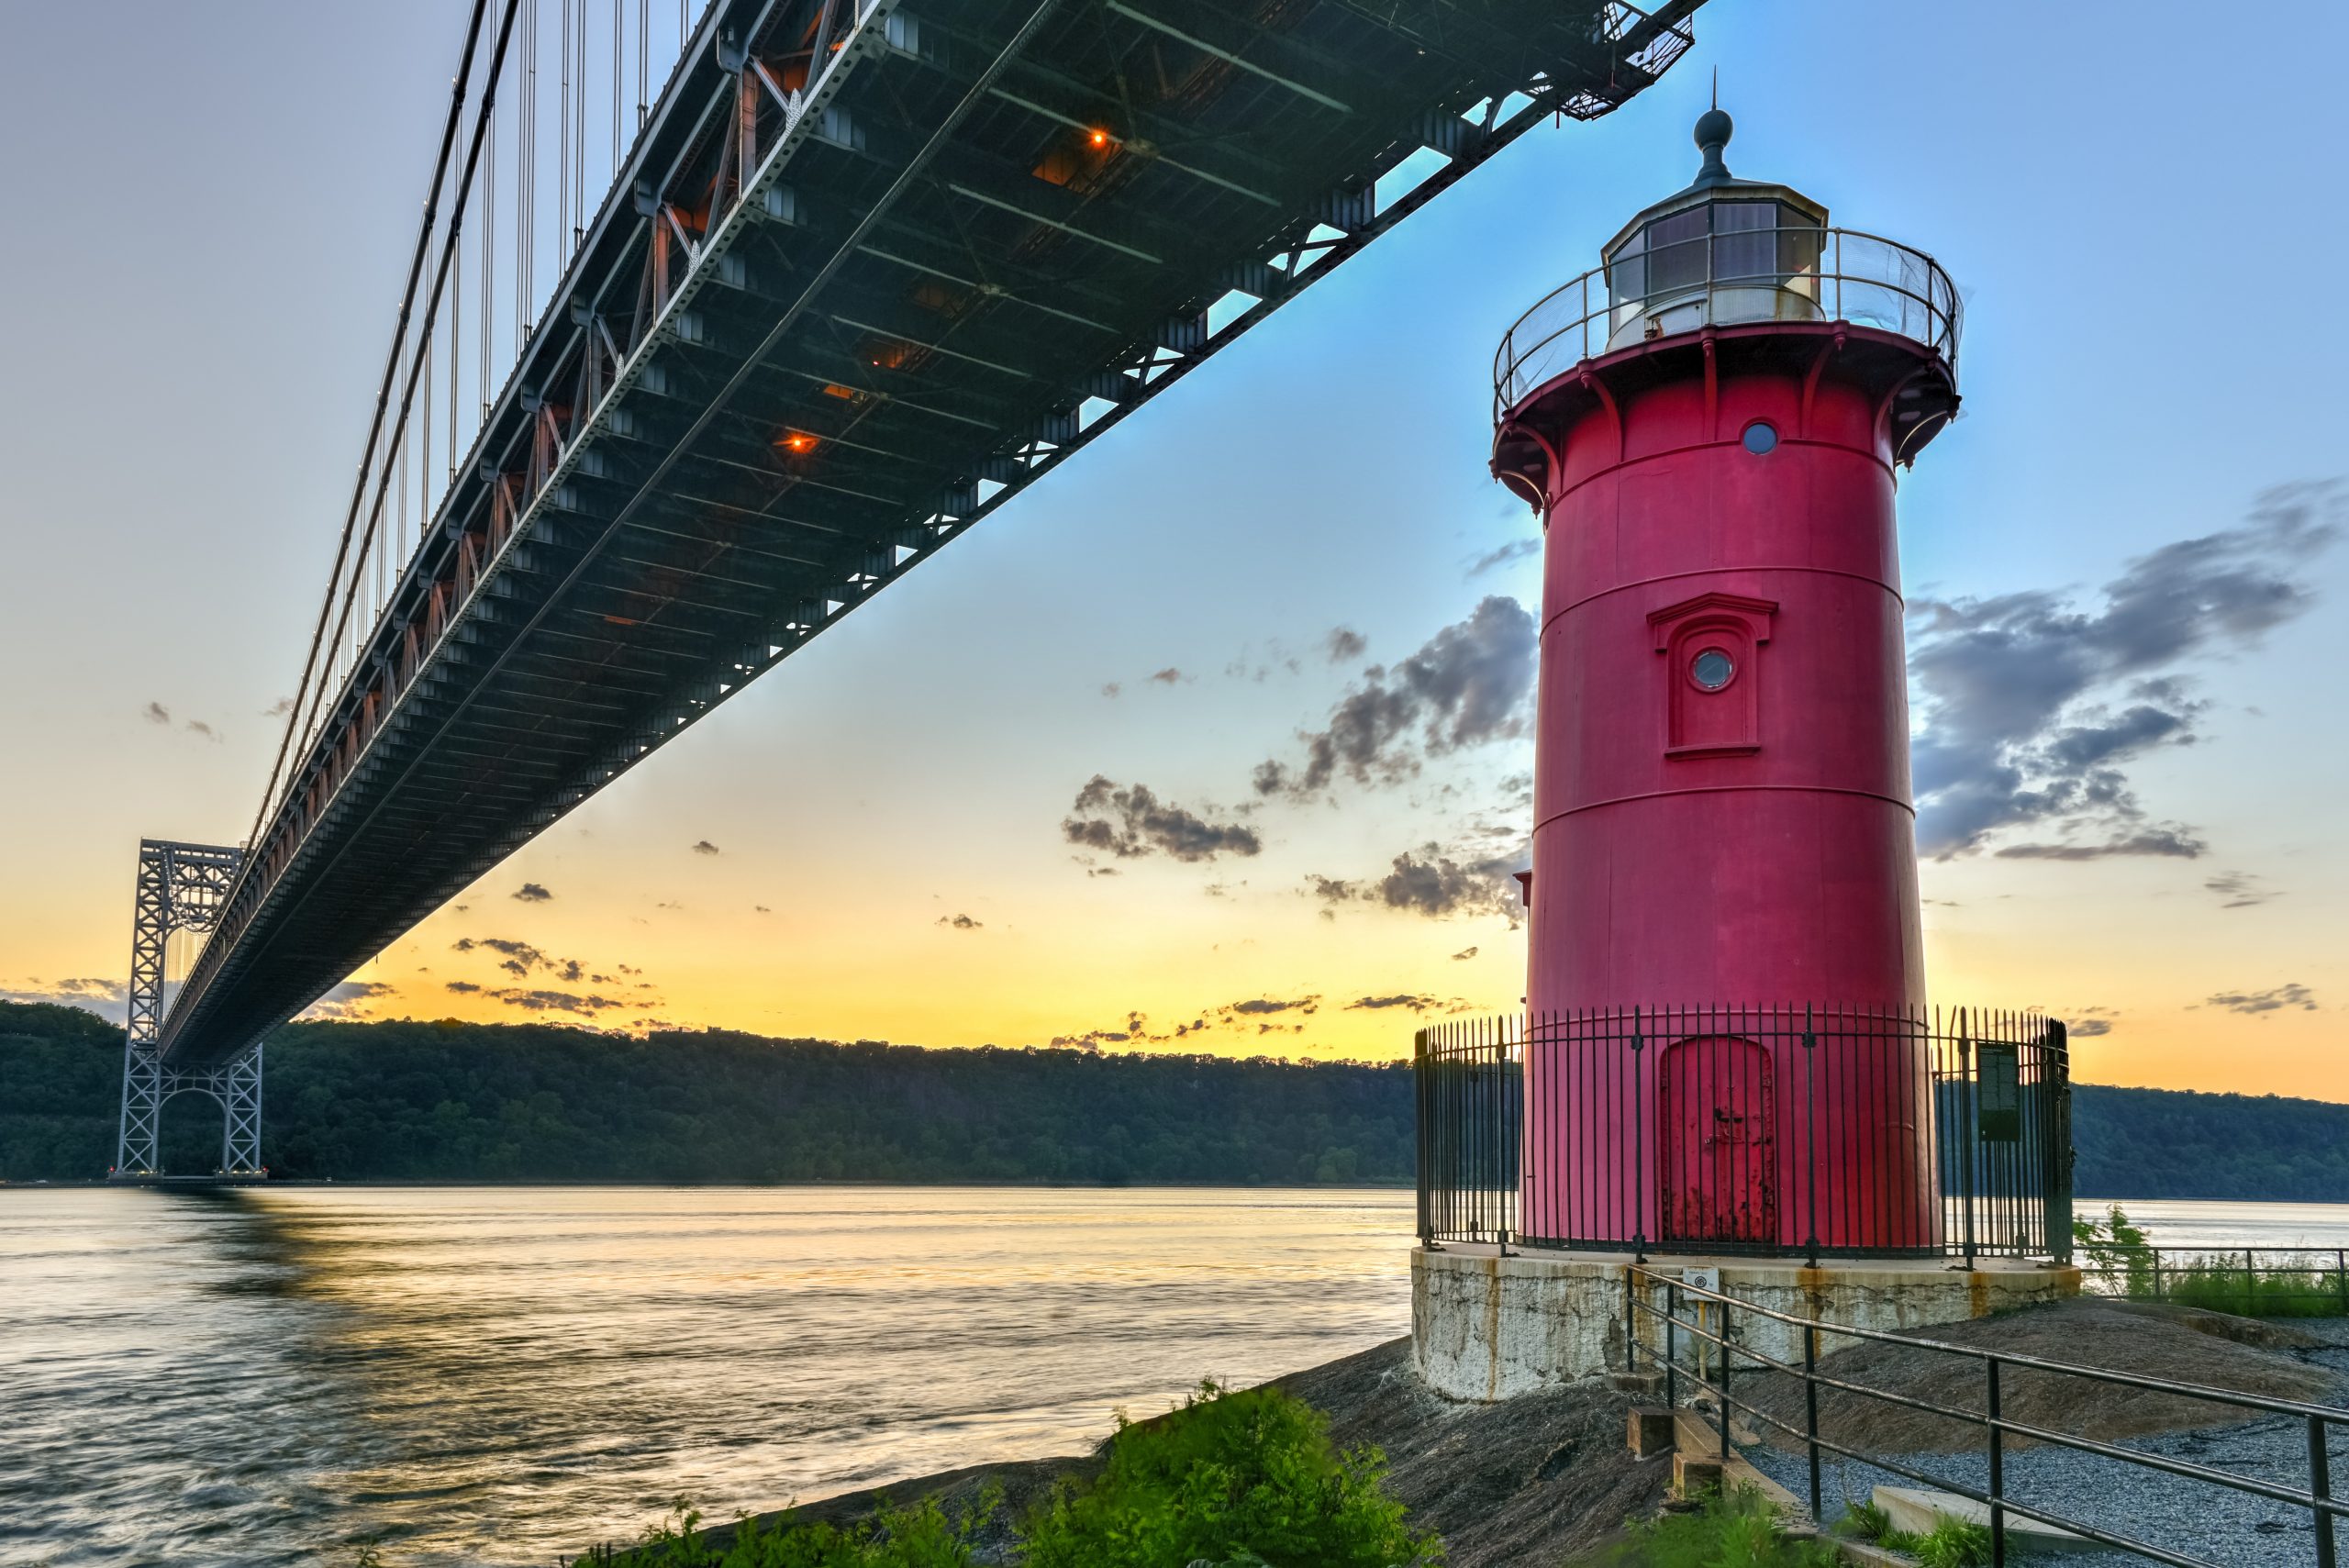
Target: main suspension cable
(375, 425)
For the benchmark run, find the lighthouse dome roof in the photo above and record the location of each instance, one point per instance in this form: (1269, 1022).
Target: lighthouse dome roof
(1714, 183)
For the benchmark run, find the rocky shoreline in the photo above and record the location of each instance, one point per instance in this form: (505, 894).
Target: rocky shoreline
(1546, 1477)
(1542, 1477)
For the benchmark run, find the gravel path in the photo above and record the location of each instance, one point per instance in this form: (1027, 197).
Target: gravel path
(2194, 1519)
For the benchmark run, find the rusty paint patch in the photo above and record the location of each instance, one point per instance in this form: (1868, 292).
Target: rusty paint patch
(1977, 1294)
(1493, 1329)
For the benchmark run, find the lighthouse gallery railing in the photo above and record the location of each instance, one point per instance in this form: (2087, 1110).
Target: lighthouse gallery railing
(1794, 273)
(1787, 1130)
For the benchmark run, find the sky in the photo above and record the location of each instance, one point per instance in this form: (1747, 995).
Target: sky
(1015, 800)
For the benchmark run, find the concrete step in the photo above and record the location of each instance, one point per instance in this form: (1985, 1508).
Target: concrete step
(1917, 1509)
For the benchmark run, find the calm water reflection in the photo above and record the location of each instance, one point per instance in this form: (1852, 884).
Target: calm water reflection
(491, 1376)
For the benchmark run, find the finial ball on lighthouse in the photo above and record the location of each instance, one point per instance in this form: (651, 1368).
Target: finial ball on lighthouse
(1713, 129)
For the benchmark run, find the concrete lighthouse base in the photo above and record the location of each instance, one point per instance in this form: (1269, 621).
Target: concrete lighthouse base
(1486, 1328)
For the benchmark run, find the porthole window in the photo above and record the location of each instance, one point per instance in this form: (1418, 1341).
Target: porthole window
(1761, 437)
(1711, 669)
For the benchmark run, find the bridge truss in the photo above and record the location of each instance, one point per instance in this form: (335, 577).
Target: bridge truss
(181, 888)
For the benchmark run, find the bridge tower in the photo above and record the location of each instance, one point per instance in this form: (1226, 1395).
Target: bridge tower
(1710, 426)
(180, 888)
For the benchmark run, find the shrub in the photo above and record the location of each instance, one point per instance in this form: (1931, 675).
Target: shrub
(918, 1536)
(2115, 1251)
(2210, 1282)
(1951, 1543)
(1228, 1478)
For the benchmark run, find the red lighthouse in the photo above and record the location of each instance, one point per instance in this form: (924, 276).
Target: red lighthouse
(1724, 919)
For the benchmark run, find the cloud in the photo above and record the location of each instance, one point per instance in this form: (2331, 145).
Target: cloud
(1131, 821)
(278, 709)
(156, 713)
(2240, 890)
(2034, 704)
(1471, 682)
(2172, 841)
(959, 922)
(520, 957)
(1515, 550)
(554, 1001)
(531, 892)
(1260, 1005)
(1111, 688)
(2088, 1029)
(704, 847)
(1439, 883)
(2275, 999)
(198, 726)
(1168, 677)
(344, 1001)
(1419, 1004)
(462, 987)
(1464, 955)
(762, 909)
(1344, 644)
(110, 1000)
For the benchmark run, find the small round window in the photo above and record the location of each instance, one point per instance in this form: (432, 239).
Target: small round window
(1711, 669)
(1761, 437)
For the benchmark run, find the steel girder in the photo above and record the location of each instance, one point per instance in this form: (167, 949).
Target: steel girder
(823, 324)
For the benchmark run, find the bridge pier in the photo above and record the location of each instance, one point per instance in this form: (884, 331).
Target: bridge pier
(180, 889)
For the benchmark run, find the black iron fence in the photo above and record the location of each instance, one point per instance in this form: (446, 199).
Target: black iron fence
(1705, 1342)
(1785, 1130)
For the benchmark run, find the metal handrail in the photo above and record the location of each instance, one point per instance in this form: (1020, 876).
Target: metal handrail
(1848, 275)
(2317, 1498)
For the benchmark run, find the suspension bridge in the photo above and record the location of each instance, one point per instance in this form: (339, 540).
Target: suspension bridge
(716, 325)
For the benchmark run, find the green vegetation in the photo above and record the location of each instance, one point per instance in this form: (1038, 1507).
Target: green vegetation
(1951, 1543)
(1736, 1528)
(2120, 1259)
(1228, 1474)
(2209, 1281)
(919, 1536)
(1231, 1479)
(453, 1102)
(2113, 1253)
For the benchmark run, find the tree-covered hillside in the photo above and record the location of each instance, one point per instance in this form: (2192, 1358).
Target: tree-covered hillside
(507, 1102)
(2155, 1143)
(503, 1102)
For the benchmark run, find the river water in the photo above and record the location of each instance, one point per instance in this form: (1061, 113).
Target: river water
(495, 1375)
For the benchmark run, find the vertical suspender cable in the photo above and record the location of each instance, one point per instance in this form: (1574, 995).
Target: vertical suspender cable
(563, 147)
(375, 427)
(488, 259)
(450, 271)
(526, 157)
(618, 55)
(643, 64)
(456, 320)
(579, 133)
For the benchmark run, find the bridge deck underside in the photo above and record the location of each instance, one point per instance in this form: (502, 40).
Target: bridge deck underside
(927, 281)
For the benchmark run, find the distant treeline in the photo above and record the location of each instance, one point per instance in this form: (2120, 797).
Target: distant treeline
(519, 1102)
(523, 1103)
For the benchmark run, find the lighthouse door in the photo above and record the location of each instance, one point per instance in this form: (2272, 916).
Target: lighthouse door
(1716, 1111)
